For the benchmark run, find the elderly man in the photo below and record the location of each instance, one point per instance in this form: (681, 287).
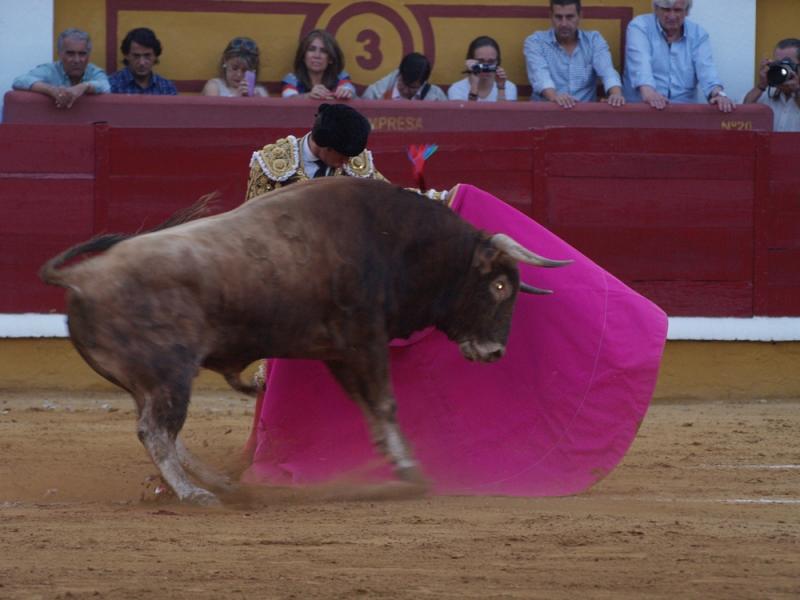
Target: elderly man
(408, 82)
(779, 85)
(336, 145)
(141, 49)
(668, 56)
(71, 76)
(565, 61)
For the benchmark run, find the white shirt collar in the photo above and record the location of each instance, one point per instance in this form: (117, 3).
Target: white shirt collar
(309, 160)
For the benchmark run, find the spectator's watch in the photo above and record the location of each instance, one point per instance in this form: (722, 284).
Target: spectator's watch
(719, 93)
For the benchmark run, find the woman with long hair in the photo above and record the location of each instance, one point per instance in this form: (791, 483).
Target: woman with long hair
(241, 56)
(318, 70)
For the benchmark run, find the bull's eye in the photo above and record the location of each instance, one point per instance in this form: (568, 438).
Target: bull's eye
(501, 288)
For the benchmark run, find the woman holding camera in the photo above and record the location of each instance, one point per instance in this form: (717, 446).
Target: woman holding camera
(486, 80)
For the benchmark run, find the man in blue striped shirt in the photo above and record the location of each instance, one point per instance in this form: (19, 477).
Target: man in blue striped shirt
(668, 56)
(565, 61)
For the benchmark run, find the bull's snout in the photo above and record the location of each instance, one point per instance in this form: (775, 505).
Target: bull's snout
(482, 351)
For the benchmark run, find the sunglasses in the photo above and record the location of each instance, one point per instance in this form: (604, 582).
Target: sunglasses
(241, 43)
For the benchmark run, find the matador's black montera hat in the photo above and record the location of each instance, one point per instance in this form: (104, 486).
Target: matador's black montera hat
(341, 128)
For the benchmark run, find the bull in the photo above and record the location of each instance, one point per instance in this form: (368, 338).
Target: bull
(330, 269)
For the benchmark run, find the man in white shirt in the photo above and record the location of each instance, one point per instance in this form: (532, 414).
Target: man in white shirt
(779, 85)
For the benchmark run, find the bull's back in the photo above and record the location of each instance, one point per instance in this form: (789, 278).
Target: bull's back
(285, 265)
(347, 209)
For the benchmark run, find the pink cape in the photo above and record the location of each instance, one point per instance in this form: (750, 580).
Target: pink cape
(551, 418)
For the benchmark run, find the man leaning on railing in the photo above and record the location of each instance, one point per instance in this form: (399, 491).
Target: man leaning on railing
(71, 76)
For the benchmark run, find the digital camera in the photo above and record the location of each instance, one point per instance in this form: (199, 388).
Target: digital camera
(479, 68)
(779, 71)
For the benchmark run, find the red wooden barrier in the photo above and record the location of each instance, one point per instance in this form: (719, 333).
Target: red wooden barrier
(778, 233)
(385, 115)
(705, 223)
(47, 184)
(670, 212)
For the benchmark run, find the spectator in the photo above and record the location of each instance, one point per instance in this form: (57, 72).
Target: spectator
(409, 82)
(241, 56)
(565, 61)
(318, 70)
(668, 56)
(486, 80)
(783, 88)
(336, 145)
(71, 76)
(141, 49)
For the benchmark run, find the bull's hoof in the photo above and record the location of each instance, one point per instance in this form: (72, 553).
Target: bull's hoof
(225, 486)
(201, 497)
(413, 476)
(155, 490)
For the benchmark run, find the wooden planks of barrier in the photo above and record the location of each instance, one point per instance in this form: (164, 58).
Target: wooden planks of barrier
(703, 222)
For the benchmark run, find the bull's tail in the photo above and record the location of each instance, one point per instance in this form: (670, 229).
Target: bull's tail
(51, 273)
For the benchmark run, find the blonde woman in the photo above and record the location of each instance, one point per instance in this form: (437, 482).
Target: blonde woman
(241, 56)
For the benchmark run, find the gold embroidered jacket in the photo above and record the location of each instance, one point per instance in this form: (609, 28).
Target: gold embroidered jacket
(281, 163)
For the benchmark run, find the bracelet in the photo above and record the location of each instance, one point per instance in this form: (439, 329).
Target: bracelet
(472, 96)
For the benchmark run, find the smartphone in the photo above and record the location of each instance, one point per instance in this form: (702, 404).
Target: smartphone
(250, 78)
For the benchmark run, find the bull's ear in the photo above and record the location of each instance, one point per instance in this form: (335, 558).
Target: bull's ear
(484, 257)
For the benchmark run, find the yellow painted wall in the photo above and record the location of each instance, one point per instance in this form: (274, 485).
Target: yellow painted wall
(775, 20)
(193, 41)
(689, 370)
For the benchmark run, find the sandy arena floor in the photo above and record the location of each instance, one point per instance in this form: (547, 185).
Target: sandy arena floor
(706, 505)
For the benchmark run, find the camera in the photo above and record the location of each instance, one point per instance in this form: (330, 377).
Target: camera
(779, 71)
(479, 68)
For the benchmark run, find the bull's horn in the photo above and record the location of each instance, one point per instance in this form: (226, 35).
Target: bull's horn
(529, 289)
(518, 252)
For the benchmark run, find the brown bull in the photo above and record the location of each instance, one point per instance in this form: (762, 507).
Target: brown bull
(330, 269)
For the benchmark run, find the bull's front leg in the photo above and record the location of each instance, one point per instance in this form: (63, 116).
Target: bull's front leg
(387, 436)
(367, 383)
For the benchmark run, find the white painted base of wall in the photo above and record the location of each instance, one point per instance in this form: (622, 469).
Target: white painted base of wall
(33, 325)
(756, 329)
(725, 329)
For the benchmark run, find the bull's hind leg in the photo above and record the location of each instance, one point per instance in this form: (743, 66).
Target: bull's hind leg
(162, 414)
(367, 383)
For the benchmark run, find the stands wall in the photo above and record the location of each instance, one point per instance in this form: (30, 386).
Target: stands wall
(703, 221)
